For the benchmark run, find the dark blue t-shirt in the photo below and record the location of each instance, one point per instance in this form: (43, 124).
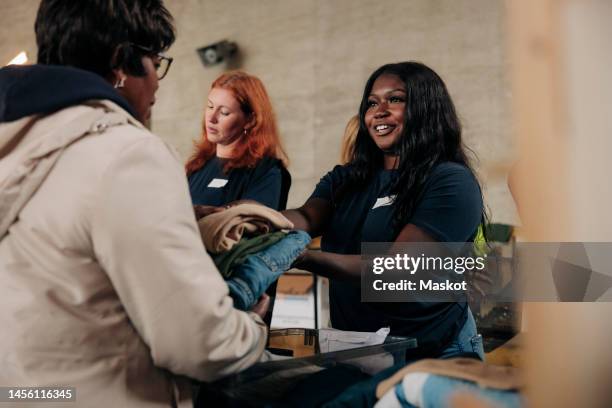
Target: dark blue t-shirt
(450, 211)
(211, 186)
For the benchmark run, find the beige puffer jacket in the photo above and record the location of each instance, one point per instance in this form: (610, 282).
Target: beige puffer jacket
(105, 282)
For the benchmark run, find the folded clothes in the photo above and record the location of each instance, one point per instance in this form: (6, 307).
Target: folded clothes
(424, 390)
(251, 278)
(236, 256)
(222, 230)
(485, 375)
(433, 382)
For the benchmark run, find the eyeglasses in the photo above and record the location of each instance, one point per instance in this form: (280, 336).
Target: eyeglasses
(162, 63)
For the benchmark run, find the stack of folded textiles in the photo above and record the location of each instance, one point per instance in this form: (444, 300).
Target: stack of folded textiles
(252, 245)
(434, 383)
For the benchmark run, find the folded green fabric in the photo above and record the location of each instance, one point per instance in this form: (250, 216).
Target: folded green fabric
(226, 261)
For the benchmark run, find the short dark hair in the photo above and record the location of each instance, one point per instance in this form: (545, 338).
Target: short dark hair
(99, 35)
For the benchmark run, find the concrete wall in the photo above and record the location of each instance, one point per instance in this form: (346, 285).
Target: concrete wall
(314, 58)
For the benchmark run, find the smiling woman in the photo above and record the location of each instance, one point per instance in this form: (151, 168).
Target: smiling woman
(408, 180)
(385, 114)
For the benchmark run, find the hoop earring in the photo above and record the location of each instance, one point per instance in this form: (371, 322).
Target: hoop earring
(120, 83)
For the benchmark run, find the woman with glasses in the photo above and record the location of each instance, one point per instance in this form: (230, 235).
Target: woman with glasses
(239, 155)
(138, 84)
(105, 286)
(160, 61)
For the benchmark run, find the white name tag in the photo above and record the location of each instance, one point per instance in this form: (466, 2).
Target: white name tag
(217, 183)
(383, 201)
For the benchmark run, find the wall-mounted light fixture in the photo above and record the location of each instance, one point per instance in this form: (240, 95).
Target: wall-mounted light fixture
(217, 52)
(19, 59)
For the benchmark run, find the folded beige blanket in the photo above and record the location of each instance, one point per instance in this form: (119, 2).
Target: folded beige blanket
(222, 230)
(483, 374)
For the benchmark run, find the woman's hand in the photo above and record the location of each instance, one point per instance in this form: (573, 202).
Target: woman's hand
(202, 211)
(262, 305)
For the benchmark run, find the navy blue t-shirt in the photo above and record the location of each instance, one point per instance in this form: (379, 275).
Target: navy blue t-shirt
(450, 211)
(211, 186)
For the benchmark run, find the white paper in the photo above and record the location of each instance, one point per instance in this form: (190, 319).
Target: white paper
(336, 340)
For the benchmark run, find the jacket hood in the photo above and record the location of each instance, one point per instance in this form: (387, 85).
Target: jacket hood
(42, 89)
(44, 109)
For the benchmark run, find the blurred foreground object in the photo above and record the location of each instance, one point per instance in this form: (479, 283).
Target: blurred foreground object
(561, 60)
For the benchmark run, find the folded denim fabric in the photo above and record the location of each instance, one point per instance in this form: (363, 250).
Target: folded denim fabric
(226, 261)
(251, 279)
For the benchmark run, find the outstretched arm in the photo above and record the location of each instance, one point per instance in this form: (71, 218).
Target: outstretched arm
(348, 267)
(331, 265)
(312, 217)
(450, 211)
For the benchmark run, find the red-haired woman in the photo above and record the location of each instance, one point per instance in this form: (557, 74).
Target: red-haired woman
(239, 156)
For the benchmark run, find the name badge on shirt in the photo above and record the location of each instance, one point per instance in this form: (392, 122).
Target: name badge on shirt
(383, 201)
(217, 183)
